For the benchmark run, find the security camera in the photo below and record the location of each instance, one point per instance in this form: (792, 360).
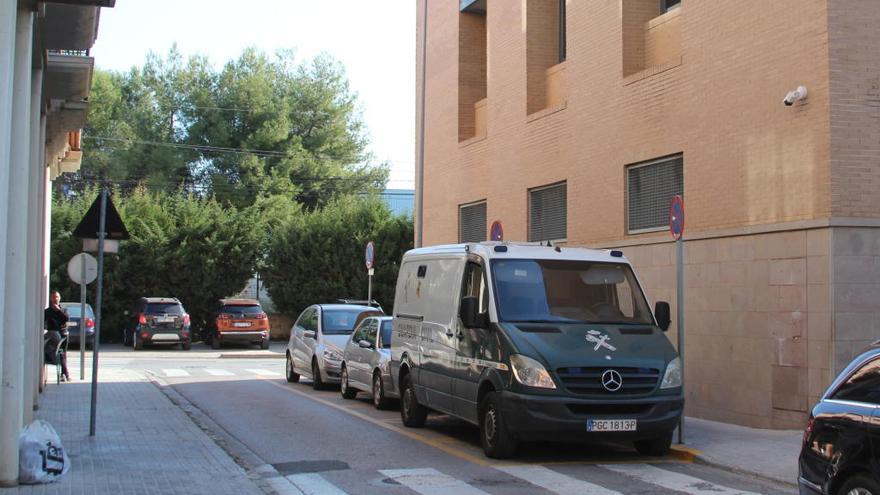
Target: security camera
(795, 95)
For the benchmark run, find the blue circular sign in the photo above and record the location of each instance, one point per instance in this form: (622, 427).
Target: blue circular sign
(496, 232)
(370, 254)
(676, 217)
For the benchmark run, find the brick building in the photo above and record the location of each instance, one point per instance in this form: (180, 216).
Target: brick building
(576, 121)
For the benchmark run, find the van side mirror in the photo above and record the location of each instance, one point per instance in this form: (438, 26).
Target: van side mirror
(363, 344)
(469, 316)
(661, 312)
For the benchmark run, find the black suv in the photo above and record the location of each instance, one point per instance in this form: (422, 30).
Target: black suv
(158, 320)
(838, 456)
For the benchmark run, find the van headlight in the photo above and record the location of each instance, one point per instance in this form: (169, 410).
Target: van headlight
(530, 372)
(332, 355)
(672, 377)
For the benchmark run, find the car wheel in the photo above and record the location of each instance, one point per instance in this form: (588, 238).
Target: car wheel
(317, 384)
(656, 447)
(860, 485)
(136, 343)
(412, 413)
(186, 345)
(292, 376)
(495, 437)
(215, 342)
(264, 344)
(379, 400)
(126, 338)
(347, 391)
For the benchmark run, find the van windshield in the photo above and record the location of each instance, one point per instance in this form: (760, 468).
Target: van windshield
(565, 291)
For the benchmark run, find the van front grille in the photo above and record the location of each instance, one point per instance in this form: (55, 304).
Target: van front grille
(610, 409)
(588, 380)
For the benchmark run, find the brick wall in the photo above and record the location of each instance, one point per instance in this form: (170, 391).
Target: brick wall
(471, 71)
(542, 48)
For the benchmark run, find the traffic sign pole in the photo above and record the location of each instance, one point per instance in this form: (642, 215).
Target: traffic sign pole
(369, 257)
(676, 227)
(82, 323)
(102, 223)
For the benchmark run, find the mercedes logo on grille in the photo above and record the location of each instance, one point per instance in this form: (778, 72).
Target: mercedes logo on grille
(612, 381)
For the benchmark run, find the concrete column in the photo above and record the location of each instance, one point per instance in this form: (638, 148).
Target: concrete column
(13, 389)
(33, 326)
(45, 239)
(7, 59)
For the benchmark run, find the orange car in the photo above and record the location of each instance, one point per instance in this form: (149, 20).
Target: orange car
(240, 321)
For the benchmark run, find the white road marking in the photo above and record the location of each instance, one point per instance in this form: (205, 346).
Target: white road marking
(314, 484)
(282, 486)
(175, 372)
(264, 372)
(672, 480)
(431, 482)
(554, 481)
(218, 372)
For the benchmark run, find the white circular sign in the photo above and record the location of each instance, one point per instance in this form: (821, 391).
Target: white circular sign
(75, 268)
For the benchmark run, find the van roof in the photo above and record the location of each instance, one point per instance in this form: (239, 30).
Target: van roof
(521, 250)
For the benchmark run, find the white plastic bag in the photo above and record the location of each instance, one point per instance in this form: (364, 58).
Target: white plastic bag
(42, 458)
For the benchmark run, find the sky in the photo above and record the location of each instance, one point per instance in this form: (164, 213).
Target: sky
(374, 40)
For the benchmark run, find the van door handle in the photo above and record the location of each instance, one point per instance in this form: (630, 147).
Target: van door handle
(460, 335)
(449, 332)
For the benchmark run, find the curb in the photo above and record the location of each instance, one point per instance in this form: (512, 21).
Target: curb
(701, 459)
(274, 355)
(682, 453)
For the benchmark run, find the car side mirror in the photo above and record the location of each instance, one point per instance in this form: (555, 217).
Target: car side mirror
(365, 345)
(661, 312)
(469, 315)
(309, 334)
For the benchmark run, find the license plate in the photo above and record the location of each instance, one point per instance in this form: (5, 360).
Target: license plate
(611, 425)
(71, 324)
(241, 324)
(164, 319)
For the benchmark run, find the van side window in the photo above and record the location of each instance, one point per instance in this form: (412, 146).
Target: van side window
(423, 270)
(475, 285)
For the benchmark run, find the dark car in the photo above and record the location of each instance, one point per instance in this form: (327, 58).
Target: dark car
(158, 320)
(75, 324)
(841, 444)
(241, 321)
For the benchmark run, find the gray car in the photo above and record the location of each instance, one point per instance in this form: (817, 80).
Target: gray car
(317, 340)
(365, 361)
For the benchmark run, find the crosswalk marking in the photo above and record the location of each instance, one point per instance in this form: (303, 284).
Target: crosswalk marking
(554, 481)
(672, 480)
(175, 373)
(314, 484)
(430, 482)
(218, 372)
(264, 372)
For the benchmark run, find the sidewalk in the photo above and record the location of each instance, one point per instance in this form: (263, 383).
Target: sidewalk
(143, 444)
(770, 454)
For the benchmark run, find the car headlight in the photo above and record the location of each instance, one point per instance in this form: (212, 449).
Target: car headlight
(332, 355)
(530, 372)
(672, 377)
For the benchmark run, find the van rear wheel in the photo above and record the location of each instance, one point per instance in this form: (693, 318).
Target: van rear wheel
(412, 413)
(495, 437)
(655, 447)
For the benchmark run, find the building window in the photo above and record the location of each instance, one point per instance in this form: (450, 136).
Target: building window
(472, 222)
(548, 213)
(667, 5)
(545, 53)
(650, 187)
(472, 76)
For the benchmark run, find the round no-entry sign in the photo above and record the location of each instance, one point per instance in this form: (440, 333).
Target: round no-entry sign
(676, 217)
(369, 254)
(75, 266)
(496, 232)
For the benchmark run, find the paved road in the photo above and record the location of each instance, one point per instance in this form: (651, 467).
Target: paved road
(318, 442)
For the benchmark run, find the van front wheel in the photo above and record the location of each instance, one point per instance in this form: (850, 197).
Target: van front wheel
(497, 441)
(412, 413)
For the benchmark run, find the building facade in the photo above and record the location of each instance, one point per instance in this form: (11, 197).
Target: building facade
(45, 80)
(577, 121)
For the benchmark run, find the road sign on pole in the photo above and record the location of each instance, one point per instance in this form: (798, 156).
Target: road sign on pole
(676, 217)
(369, 258)
(676, 227)
(80, 262)
(496, 232)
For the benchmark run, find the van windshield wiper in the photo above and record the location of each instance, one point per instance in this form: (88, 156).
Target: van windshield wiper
(545, 321)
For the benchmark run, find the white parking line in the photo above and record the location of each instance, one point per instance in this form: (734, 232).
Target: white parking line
(218, 372)
(264, 372)
(672, 480)
(554, 481)
(431, 482)
(314, 484)
(175, 373)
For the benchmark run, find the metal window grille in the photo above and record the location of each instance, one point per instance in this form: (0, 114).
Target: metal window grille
(472, 223)
(650, 188)
(548, 213)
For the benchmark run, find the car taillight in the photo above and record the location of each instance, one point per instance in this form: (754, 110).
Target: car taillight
(90, 323)
(224, 316)
(142, 319)
(261, 316)
(186, 319)
(808, 431)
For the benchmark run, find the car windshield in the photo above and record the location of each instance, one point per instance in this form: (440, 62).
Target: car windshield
(243, 310)
(340, 321)
(565, 291)
(73, 310)
(164, 308)
(386, 334)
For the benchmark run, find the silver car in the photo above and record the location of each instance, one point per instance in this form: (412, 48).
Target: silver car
(317, 340)
(365, 361)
